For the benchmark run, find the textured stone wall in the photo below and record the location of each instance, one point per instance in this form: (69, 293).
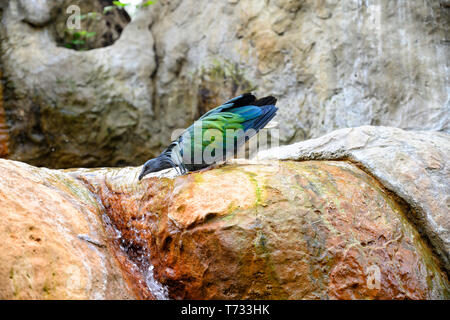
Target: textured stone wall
(70, 108)
(4, 135)
(333, 64)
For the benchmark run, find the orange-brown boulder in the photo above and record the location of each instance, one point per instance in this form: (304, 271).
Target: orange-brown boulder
(280, 230)
(273, 230)
(53, 244)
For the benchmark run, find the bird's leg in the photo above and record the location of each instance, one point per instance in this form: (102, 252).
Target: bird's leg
(183, 169)
(180, 165)
(177, 169)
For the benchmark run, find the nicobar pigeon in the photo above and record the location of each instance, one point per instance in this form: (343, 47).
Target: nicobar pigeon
(242, 116)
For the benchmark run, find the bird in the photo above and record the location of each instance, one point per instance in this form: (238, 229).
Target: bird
(232, 124)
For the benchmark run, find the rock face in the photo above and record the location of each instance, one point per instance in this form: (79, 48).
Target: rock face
(291, 230)
(332, 64)
(69, 108)
(53, 241)
(413, 165)
(107, 25)
(4, 135)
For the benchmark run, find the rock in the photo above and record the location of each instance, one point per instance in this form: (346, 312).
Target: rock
(332, 64)
(37, 12)
(280, 230)
(69, 108)
(4, 135)
(53, 241)
(289, 229)
(411, 164)
(106, 27)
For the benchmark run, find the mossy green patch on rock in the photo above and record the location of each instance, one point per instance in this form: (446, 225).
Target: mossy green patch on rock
(220, 80)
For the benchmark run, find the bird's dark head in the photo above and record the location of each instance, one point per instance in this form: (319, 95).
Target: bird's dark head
(152, 165)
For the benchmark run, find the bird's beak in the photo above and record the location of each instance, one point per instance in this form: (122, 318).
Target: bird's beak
(141, 175)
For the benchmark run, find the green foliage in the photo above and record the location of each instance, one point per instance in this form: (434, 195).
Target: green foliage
(120, 5)
(78, 39)
(227, 70)
(147, 3)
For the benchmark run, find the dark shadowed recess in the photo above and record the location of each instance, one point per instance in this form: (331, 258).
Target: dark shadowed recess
(101, 24)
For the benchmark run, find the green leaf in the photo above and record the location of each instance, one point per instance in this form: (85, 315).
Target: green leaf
(147, 3)
(76, 35)
(90, 34)
(78, 42)
(120, 4)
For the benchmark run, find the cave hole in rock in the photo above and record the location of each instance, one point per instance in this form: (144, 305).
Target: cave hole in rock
(101, 23)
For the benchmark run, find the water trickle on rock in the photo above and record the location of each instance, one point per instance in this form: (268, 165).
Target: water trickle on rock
(125, 205)
(159, 291)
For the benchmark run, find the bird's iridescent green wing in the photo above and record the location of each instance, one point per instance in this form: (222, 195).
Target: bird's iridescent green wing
(225, 128)
(221, 130)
